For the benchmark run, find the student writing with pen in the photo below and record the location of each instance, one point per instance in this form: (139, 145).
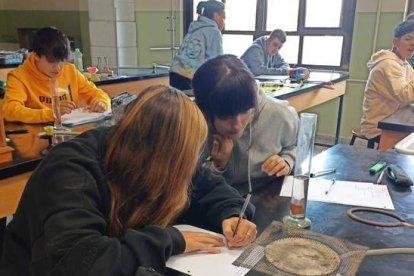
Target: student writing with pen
(120, 189)
(28, 96)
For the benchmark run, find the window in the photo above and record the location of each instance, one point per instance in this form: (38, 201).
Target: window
(319, 32)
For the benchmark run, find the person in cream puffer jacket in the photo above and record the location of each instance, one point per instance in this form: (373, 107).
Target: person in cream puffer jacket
(390, 84)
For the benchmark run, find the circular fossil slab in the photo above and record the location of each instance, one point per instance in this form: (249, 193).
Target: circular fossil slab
(302, 256)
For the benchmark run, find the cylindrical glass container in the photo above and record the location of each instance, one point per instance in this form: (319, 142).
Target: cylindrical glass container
(304, 152)
(57, 119)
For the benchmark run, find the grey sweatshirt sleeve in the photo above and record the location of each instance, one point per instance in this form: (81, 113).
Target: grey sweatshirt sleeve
(290, 129)
(215, 47)
(255, 59)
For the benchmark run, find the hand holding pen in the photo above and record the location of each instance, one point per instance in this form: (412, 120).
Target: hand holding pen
(245, 234)
(67, 105)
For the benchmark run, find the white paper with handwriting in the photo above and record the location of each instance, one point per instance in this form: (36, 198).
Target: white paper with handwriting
(344, 192)
(205, 264)
(83, 116)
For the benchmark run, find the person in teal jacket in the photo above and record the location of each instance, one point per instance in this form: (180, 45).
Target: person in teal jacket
(202, 42)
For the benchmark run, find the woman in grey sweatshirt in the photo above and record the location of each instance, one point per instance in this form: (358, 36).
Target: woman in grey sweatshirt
(203, 41)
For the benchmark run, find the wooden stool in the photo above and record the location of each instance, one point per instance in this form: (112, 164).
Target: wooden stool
(356, 133)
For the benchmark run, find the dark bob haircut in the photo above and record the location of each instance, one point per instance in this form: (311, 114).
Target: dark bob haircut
(404, 28)
(209, 8)
(224, 87)
(51, 43)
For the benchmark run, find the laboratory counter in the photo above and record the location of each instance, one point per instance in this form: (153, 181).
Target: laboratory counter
(352, 164)
(28, 146)
(396, 127)
(133, 80)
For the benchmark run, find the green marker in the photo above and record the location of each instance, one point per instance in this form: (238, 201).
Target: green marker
(377, 167)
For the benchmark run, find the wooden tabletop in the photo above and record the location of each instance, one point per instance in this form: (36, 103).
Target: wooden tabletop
(402, 120)
(28, 147)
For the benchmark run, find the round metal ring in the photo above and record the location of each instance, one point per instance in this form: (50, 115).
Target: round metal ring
(351, 213)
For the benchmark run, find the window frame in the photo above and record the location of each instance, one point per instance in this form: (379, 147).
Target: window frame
(345, 30)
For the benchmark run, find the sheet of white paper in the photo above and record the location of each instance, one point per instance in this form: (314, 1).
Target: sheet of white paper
(323, 76)
(287, 186)
(344, 192)
(83, 116)
(272, 77)
(200, 264)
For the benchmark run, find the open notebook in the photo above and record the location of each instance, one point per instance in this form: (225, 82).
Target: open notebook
(83, 116)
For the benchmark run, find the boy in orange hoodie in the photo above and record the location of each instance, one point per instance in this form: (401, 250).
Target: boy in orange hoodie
(28, 91)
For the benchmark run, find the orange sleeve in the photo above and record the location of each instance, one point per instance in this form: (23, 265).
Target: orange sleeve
(14, 104)
(89, 92)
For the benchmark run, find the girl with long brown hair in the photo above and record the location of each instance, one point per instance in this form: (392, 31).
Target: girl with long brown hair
(104, 202)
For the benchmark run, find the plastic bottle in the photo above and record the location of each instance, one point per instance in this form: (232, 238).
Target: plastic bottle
(77, 59)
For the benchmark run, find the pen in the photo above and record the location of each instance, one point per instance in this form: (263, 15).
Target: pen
(379, 180)
(327, 171)
(246, 202)
(330, 186)
(70, 93)
(17, 131)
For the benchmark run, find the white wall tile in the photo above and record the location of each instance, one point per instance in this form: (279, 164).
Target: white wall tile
(127, 57)
(102, 33)
(158, 5)
(126, 34)
(387, 5)
(125, 11)
(109, 52)
(101, 10)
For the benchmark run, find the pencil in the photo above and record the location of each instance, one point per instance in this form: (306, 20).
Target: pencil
(243, 210)
(379, 180)
(70, 93)
(330, 186)
(327, 171)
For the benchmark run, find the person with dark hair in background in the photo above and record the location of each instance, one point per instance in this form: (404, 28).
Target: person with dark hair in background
(202, 42)
(390, 83)
(263, 57)
(103, 203)
(245, 125)
(28, 97)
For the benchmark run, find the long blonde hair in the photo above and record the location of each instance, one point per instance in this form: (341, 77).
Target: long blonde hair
(151, 157)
